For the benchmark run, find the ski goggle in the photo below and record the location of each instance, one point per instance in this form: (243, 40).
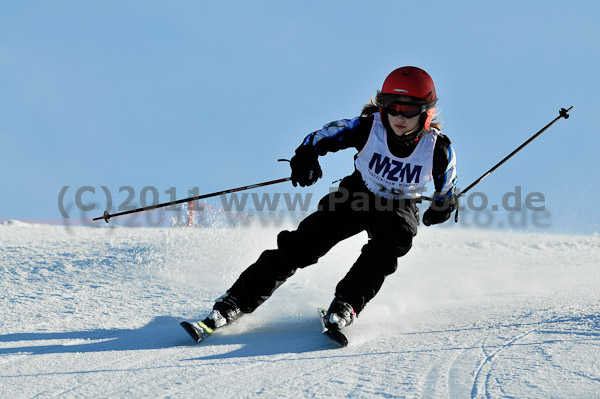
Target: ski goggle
(406, 110)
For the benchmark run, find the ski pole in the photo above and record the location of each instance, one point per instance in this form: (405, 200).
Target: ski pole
(562, 113)
(106, 216)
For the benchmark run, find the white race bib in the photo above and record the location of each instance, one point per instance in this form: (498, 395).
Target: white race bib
(392, 177)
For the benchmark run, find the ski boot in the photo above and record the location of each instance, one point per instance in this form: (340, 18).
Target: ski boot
(340, 314)
(225, 311)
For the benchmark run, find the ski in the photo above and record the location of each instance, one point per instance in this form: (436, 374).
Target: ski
(335, 335)
(197, 330)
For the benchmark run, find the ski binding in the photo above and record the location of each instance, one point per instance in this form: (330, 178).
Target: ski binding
(197, 330)
(335, 335)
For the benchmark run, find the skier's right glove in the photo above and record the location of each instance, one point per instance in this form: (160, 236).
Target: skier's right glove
(305, 167)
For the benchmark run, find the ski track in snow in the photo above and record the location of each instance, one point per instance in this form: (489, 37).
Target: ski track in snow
(95, 312)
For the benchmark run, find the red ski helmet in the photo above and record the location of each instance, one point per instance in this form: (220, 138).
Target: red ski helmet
(413, 82)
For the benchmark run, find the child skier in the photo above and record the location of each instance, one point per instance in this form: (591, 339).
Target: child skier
(400, 149)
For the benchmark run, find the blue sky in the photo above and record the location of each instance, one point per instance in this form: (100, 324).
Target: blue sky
(210, 94)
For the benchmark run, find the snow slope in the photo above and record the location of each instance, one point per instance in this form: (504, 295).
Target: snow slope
(94, 312)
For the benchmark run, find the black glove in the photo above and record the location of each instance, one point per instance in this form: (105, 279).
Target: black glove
(435, 217)
(440, 210)
(305, 167)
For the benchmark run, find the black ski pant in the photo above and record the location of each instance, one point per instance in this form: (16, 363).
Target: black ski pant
(341, 214)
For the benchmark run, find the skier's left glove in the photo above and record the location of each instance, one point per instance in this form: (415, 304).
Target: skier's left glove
(305, 167)
(440, 210)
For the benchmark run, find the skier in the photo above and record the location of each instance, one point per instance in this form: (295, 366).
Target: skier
(400, 149)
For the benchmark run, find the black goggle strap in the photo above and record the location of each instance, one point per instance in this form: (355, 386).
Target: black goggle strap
(427, 107)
